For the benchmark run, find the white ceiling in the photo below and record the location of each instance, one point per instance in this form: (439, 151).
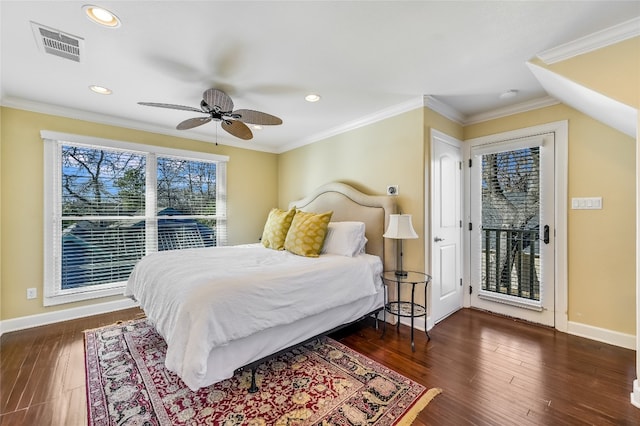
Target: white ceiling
(365, 58)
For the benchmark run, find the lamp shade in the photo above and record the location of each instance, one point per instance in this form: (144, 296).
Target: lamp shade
(400, 227)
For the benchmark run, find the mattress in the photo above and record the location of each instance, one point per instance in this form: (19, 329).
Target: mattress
(224, 360)
(201, 300)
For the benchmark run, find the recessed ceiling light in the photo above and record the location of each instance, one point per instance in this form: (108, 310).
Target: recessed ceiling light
(511, 93)
(312, 97)
(101, 90)
(101, 16)
(257, 127)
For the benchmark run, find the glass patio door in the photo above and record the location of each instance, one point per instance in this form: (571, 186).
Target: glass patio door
(512, 227)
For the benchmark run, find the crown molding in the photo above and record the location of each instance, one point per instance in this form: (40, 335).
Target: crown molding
(443, 109)
(352, 125)
(511, 110)
(59, 111)
(426, 101)
(454, 115)
(76, 114)
(432, 103)
(597, 40)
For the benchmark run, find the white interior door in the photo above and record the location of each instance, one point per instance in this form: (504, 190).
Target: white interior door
(512, 238)
(446, 225)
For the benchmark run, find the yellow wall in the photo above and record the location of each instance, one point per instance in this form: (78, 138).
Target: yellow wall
(601, 286)
(601, 259)
(601, 243)
(389, 152)
(252, 187)
(613, 71)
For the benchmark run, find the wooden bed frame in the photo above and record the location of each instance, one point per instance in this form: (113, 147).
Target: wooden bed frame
(347, 204)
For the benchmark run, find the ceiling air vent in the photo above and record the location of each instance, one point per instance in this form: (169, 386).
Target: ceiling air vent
(57, 43)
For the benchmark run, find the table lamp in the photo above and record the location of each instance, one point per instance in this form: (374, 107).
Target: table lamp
(400, 228)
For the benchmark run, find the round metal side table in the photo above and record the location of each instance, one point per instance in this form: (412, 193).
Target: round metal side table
(400, 308)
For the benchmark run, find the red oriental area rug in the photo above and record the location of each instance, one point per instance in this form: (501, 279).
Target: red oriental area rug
(321, 383)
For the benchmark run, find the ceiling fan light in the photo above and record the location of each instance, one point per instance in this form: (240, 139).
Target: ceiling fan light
(101, 16)
(312, 97)
(219, 107)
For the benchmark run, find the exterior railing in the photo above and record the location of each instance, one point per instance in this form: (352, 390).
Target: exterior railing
(511, 262)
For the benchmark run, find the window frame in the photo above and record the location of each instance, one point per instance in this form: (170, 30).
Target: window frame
(53, 294)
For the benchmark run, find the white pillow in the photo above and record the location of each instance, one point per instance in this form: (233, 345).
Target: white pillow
(344, 239)
(363, 246)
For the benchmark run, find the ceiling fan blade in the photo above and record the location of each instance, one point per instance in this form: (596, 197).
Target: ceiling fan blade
(237, 129)
(256, 117)
(193, 122)
(171, 106)
(217, 98)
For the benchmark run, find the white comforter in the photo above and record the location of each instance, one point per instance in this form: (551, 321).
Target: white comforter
(202, 298)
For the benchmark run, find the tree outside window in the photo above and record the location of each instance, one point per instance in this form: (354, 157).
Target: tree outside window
(510, 222)
(104, 225)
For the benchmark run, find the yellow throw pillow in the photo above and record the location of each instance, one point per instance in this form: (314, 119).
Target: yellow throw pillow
(307, 233)
(276, 228)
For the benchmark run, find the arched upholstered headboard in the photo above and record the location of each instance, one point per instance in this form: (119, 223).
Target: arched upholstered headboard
(349, 204)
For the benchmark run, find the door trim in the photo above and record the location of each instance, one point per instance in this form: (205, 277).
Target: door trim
(429, 205)
(561, 130)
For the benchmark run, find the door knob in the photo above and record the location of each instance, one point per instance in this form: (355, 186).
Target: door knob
(438, 239)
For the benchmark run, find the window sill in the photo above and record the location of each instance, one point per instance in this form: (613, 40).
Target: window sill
(519, 302)
(61, 299)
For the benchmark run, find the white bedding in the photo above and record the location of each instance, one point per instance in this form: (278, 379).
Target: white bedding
(200, 299)
(225, 360)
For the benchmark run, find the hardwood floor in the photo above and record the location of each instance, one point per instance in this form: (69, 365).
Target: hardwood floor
(492, 370)
(42, 376)
(497, 371)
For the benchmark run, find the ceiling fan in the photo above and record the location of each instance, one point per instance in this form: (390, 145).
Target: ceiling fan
(218, 106)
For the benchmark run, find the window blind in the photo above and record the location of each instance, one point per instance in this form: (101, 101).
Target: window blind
(510, 222)
(112, 204)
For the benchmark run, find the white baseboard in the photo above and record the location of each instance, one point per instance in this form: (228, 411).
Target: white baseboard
(418, 323)
(14, 324)
(635, 395)
(602, 335)
(21, 323)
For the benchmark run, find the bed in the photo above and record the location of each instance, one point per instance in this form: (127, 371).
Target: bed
(225, 308)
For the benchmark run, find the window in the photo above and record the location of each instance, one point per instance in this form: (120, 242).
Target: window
(511, 222)
(108, 203)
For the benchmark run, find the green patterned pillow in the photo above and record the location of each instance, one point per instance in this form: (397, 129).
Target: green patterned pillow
(275, 230)
(307, 232)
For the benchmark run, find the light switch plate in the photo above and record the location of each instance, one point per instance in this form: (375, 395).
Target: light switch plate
(586, 203)
(392, 190)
